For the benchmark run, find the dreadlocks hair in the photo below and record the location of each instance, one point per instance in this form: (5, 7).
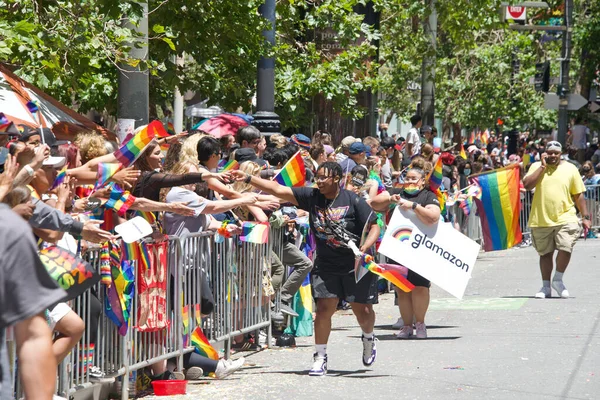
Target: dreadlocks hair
(331, 168)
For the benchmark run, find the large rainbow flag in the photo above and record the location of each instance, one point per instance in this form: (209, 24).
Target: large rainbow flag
(499, 206)
(203, 347)
(293, 173)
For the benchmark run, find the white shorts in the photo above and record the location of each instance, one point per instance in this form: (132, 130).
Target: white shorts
(57, 313)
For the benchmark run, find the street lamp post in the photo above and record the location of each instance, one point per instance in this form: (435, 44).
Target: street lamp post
(265, 118)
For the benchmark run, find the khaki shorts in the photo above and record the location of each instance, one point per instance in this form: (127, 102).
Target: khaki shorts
(560, 237)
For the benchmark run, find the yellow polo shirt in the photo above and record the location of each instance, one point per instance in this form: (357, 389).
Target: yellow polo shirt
(552, 202)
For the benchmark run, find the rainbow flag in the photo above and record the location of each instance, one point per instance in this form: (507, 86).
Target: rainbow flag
(254, 232)
(105, 172)
(230, 166)
(387, 273)
(185, 315)
(60, 178)
(119, 295)
(499, 207)
(134, 147)
(472, 137)
(105, 272)
(435, 176)
(170, 128)
(527, 159)
(485, 137)
(463, 154)
(119, 200)
(302, 325)
(203, 347)
(466, 205)
(293, 173)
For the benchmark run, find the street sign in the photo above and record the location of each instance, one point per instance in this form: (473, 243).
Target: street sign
(552, 101)
(516, 13)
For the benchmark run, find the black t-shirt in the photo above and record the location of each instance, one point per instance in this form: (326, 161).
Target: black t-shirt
(423, 198)
(334, 224)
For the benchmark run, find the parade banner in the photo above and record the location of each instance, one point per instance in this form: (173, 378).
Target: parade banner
(439, 253)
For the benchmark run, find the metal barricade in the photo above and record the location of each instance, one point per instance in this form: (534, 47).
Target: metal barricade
(592, 198)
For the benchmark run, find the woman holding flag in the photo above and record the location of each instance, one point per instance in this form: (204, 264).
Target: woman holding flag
(424, 203)
(337, 217)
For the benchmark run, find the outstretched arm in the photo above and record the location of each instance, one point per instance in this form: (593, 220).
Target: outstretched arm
(271, 187)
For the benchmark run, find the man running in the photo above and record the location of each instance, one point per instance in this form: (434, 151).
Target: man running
(553, 220)
(337, 216)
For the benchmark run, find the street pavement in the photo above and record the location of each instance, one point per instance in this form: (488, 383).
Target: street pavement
(497, 343)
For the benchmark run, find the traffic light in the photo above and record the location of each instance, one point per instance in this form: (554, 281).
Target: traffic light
(542, 77)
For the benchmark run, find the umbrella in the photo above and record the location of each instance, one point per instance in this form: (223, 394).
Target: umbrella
(221, 125)
(15, 93)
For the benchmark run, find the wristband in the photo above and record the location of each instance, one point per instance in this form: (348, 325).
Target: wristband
(248, 178)
(414, 205)
(29, 170)
(587, 217)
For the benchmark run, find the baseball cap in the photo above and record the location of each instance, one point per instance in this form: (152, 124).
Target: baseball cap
(348, 140)
(554, 145)
(357, 148)
(301, 140)
(425, 128)
(54, 162)
(359, 176)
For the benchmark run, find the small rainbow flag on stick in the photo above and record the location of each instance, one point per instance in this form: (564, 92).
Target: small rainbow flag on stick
(133, 148)
(230, 166)
(203, 347)
(255, 232)
(499, 207)
(293, 173)
(463, 154)
(119, 200)
(105, 172)
(60, 178)
(435, 176)
(387, 273)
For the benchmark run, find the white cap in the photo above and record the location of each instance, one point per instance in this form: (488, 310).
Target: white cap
(56, 162)
(348, 140)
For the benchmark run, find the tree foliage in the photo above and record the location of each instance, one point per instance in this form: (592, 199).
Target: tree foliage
(73, 49)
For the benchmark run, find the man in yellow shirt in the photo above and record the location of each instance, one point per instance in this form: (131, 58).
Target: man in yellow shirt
(553, 220)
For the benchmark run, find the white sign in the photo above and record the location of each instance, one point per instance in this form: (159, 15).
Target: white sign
(439, 253)
(516, 13)
(125, 126)
(134, 229)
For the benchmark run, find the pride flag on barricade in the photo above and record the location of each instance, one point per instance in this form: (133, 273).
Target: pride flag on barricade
(255, 232)
(499, 206)
(293, 173)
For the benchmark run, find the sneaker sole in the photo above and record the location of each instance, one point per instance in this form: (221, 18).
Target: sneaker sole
(560, 294)
(317, 373)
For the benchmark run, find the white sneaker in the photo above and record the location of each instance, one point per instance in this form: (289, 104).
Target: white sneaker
(543, 293)
(319, 367)
(194, 373)
(421, 330)
(228, 367)
(560, 288)
(399, 324)
(405, 332)
(369, 351)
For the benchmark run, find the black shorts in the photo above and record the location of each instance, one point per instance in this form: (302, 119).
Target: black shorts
(327, 286)
(417, 279)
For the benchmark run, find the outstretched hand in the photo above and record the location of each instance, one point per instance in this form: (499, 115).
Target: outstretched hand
(238, 175)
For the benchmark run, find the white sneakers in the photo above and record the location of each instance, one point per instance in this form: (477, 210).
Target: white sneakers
(405, 332)
(319, 367)
(560, 288)
(545, 292)
(228, 367)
